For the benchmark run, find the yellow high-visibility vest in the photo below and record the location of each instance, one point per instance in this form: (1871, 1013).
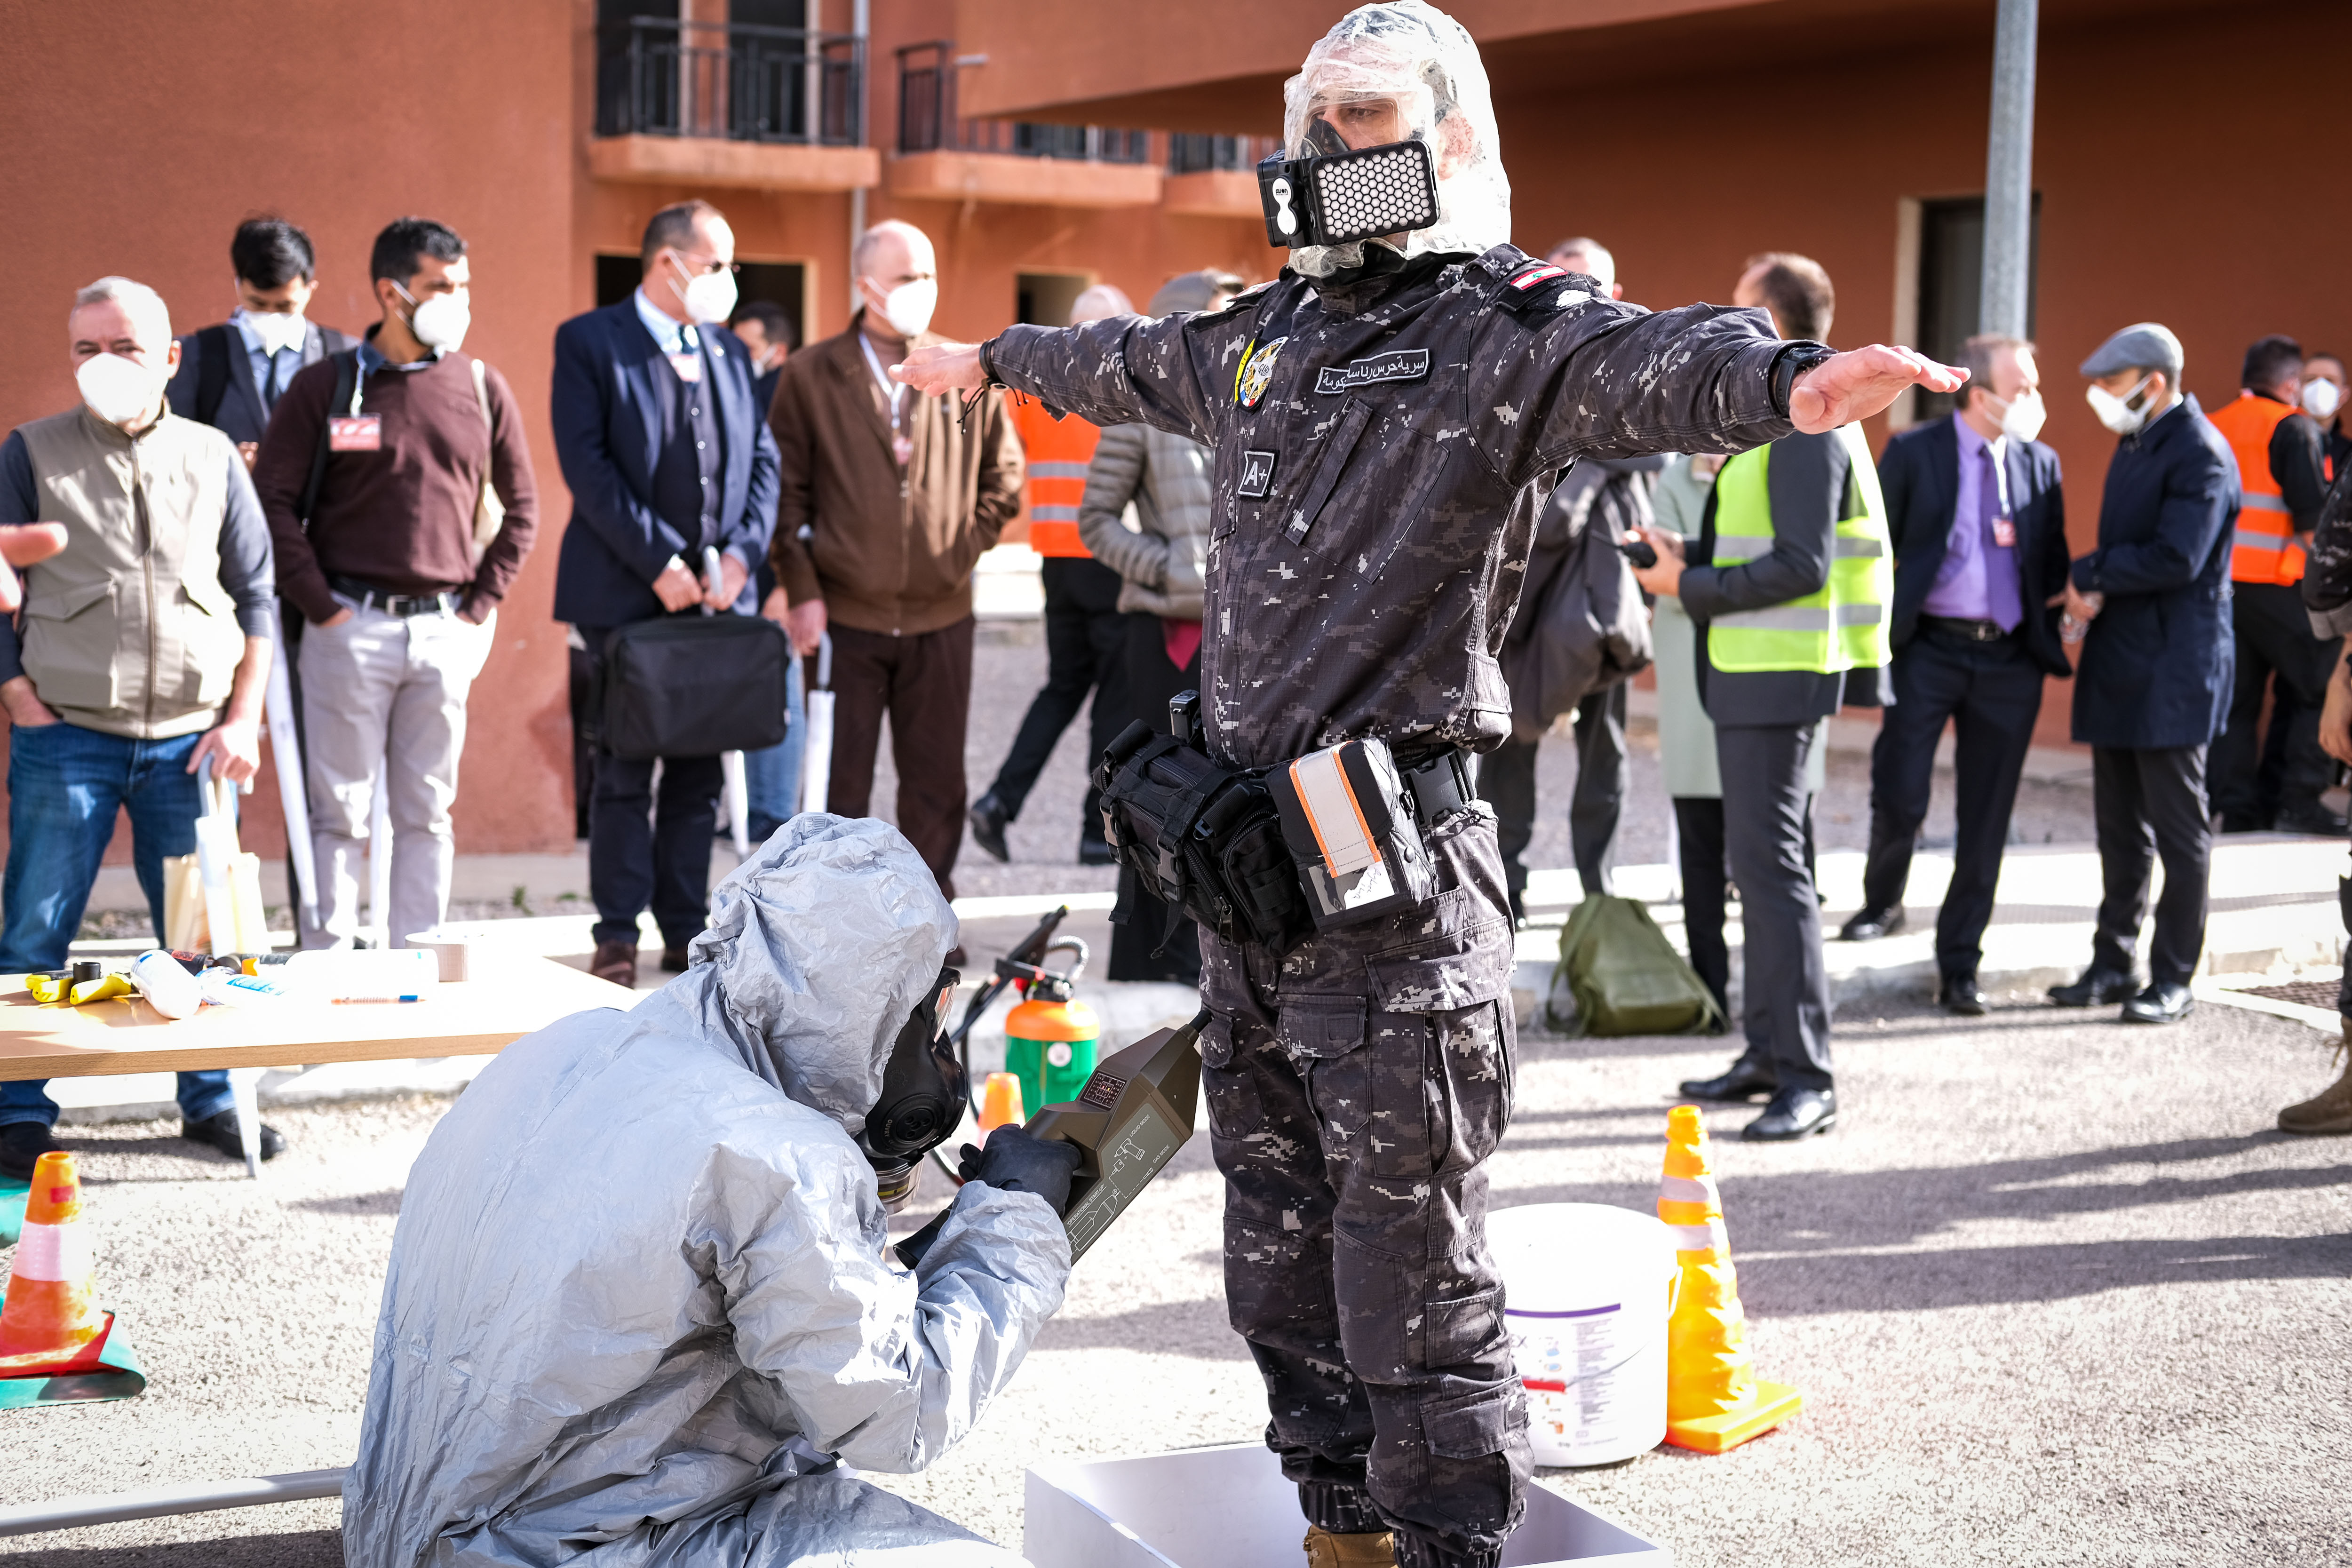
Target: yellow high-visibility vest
(1844, 625)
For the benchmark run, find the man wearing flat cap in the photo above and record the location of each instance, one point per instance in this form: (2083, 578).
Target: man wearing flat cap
(2153, 689)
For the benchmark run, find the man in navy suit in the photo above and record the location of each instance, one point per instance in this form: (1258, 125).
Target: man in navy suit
(667, 451)
(1978, 524)
(231, 373)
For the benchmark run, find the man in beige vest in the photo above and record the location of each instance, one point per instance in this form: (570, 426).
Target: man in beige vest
(139, 658)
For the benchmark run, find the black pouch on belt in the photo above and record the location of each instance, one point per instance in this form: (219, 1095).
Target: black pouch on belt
(1202, 837)
(1353, 833)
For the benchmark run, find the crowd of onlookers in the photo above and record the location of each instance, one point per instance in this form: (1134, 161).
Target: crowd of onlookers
(364, 504)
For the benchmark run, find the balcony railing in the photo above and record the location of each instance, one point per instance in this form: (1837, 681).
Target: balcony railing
(659, 77)
(928, 122)
(1190, 153)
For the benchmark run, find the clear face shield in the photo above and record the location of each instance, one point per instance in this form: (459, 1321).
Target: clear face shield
(1388, 137)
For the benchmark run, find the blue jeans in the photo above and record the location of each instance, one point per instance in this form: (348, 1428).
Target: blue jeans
(772, 776)
(65, 785)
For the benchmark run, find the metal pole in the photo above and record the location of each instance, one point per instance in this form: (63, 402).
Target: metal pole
(158, 1502)
(2009, 172)
(861, 52)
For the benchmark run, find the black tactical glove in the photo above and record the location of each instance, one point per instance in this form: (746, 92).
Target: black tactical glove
(1017, 1162)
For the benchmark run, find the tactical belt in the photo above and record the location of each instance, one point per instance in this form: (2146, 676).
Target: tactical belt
(1239, 849)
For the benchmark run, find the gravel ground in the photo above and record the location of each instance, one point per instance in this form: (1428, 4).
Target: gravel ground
(2108, 1331)
(2105, 1332)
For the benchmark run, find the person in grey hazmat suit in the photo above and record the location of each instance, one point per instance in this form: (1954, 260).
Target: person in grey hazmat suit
(638, 1310)
(1387, 415)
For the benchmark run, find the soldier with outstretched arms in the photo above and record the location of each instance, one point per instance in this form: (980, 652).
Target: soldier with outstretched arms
(1387, 416)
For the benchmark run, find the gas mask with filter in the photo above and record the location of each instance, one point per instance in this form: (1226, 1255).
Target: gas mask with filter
(924, 1096)
(1405, 80)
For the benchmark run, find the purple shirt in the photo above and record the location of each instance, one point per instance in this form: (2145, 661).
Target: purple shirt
(1978, 580)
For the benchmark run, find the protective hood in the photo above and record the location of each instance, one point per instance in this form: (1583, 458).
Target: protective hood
(1423, 60)
(820, 944)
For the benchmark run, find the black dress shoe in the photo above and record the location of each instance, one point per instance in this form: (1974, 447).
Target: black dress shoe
(674, 961)
(2097, 988)
(1794, 1113)
(22, 1143)
(221, 1132)
(1748, 1079)
(1872, 924)
(1962, 997)
(988, 819)
(1096, 852)
(2164, 1002)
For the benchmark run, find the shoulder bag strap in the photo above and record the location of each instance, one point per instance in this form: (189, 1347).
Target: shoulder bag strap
(214, 346)
(347, 382)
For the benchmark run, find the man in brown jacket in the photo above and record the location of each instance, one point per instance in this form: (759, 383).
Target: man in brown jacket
(898, 495)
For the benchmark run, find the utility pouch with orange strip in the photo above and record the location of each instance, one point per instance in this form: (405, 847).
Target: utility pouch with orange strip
(1352, 833)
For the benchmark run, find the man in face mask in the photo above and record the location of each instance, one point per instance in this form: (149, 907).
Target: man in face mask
(232, 375)
(888, 497)
(660, 434)
(2152, 689)
(2323, 386)
(1386, 416)
(128, 506)
(640, 1299)
(396, 558)
(1978, 522)
(2260, 783)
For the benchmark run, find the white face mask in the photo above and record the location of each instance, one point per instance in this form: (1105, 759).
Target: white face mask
(120, 391)
(709, 297)
(441, 319)
(909, 307)
(2022, 419)
(2116, 413)
(277, 332)
(2321, 399)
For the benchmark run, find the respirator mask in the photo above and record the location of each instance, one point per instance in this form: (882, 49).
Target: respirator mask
(923, 1099)
(120, 391)
(2321, 399)
(2121, 415)
(1334, 196)
(439, 321)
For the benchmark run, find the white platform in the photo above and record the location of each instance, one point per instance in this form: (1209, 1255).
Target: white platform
(1229, 1507)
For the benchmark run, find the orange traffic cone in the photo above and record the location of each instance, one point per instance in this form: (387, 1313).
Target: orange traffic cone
(1000, 1103)
(51, 1321)
(1714, 1401)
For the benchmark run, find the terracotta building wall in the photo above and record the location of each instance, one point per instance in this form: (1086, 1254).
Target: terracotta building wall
(139, 134)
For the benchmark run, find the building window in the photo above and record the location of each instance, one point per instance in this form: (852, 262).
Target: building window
(1945, 285)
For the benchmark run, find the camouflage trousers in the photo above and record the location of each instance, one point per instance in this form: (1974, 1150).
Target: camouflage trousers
(1355, 1086)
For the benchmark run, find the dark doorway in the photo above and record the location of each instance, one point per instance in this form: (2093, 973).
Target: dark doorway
(1952, 276)
(1044, 298)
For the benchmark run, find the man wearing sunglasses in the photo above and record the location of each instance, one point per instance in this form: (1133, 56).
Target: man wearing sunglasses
(663, 447)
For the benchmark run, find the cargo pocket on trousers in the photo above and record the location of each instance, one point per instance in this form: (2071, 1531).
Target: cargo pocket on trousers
(1478, 1446)
(1234, 1113)
(1324, 1038)
(1459, 1329)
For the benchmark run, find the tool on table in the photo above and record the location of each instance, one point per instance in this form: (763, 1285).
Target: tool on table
(730, 763)
(1127, 1123)
(213, 898)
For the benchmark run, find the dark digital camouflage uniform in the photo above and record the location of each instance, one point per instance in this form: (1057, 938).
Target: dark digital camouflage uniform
(1375, 501)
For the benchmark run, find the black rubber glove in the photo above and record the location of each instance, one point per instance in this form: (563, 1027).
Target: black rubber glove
(1016, 1161)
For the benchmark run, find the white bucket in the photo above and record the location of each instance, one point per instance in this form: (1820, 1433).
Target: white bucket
(1586, 1289)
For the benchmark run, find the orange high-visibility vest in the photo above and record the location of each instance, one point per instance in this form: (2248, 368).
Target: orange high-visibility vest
(1058, 451)
(2264, 550)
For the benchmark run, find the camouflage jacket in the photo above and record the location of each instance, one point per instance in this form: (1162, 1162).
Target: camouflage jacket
(2327, 565)
(1381, 451)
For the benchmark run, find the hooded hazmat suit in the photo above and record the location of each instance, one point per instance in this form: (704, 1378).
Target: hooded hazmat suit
(637, 1293)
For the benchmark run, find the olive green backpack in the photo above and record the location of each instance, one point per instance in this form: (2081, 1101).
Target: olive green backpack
(1622, 976)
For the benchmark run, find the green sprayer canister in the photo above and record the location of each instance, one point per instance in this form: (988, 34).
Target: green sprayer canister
(1050, 1039)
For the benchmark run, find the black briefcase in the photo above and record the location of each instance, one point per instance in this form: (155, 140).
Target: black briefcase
(693, 686)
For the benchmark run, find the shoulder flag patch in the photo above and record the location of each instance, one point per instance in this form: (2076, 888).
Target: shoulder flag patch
(1535, 275)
